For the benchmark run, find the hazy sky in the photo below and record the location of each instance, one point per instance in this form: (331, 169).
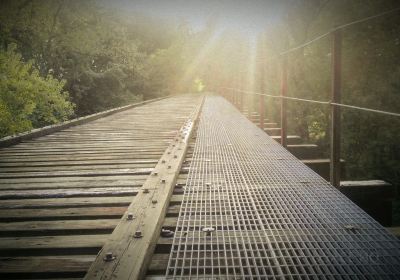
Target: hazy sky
(250, 16)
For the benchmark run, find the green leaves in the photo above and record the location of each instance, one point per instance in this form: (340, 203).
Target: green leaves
(26, 99)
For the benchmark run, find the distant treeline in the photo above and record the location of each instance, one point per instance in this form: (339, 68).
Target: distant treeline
(60, 59)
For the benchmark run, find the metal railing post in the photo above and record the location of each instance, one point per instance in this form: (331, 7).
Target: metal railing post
(283, 101)
(335, 110)
(261, 98)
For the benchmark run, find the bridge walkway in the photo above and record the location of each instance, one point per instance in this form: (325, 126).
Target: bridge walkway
(91, 200)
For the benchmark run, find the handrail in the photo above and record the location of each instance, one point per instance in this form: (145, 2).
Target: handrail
(335, 102)
(316, 101)
(338, 28)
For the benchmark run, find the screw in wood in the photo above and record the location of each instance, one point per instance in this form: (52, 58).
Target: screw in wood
(109, 257)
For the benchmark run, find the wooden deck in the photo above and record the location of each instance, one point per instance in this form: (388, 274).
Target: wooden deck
(63, 194)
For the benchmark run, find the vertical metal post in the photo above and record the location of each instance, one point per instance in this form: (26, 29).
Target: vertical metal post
(283, 101)
(240, 92)
(335, 110)
(262, 98)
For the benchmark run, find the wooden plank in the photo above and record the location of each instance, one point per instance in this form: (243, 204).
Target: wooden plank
(75, 162)
(45, 266)
(65, 202)
(158, 264)
(65, 227)
(77, 173)
(61, 181)
(7, 215)
(148, 208)
(78, 157)
(123, 183)
(76, 192)
(20, 244)
(73, 168)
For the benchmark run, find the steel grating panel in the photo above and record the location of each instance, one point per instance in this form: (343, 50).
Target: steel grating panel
(268, 216)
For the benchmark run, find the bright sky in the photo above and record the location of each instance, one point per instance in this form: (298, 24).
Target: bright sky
(249, 16)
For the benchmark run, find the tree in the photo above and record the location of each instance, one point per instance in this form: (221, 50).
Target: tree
(28, 100)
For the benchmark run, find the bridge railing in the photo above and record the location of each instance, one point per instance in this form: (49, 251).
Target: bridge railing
(235, 95)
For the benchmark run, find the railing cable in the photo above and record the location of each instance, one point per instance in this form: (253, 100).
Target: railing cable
(337, 28)
(317, 101)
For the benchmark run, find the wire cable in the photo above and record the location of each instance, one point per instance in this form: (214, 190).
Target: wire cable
(338, 28)
(318, 102)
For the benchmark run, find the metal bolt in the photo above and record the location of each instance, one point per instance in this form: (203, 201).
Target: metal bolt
(351, 227)
(129, 217)
(163, 181)
(155, 173)
(166, 233)
(163, 161)
(109, 257)
(145, 190)
(154, 201)
(208, 230)
(138, 234)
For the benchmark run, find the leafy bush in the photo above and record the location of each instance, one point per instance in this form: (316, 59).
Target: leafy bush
(28, 100)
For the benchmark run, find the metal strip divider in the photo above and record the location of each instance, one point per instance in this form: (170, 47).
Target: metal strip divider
(128, 250)
(251, 210)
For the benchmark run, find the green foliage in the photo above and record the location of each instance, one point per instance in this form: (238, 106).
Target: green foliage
(28, 100)
(107, 58)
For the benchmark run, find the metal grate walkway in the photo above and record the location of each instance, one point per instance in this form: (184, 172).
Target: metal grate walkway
(251, 210)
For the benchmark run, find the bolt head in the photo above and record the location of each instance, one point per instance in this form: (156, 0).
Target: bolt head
(109, 257)
(138, 234)
(145, 190)
(154, 201)
(167, 233)
(129, 217)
